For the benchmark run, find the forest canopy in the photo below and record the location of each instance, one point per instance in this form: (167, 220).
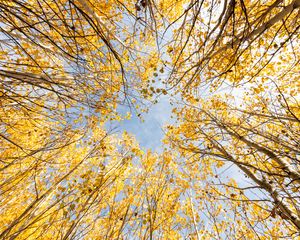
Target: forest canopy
(228, 166)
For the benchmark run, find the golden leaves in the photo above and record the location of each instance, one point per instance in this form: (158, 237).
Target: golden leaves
(66, 66)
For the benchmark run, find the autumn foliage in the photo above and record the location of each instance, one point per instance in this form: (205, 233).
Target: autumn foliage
(229, 164)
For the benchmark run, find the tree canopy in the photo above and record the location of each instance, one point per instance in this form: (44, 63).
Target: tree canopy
(229, 164)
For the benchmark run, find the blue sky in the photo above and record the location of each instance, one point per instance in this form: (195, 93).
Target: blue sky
(149, 132)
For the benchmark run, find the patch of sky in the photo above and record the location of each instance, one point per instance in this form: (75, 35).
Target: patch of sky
(147, 129)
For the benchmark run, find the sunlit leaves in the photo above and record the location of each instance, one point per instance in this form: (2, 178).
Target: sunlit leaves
(230, 164)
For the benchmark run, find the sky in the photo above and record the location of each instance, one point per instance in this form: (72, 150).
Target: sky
(149, 133)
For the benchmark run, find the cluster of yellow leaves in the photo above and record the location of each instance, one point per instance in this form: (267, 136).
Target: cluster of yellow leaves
(65, 68)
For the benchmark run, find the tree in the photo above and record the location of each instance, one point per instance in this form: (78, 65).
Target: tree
(229, 167)
(241, 104)
(62, 76)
